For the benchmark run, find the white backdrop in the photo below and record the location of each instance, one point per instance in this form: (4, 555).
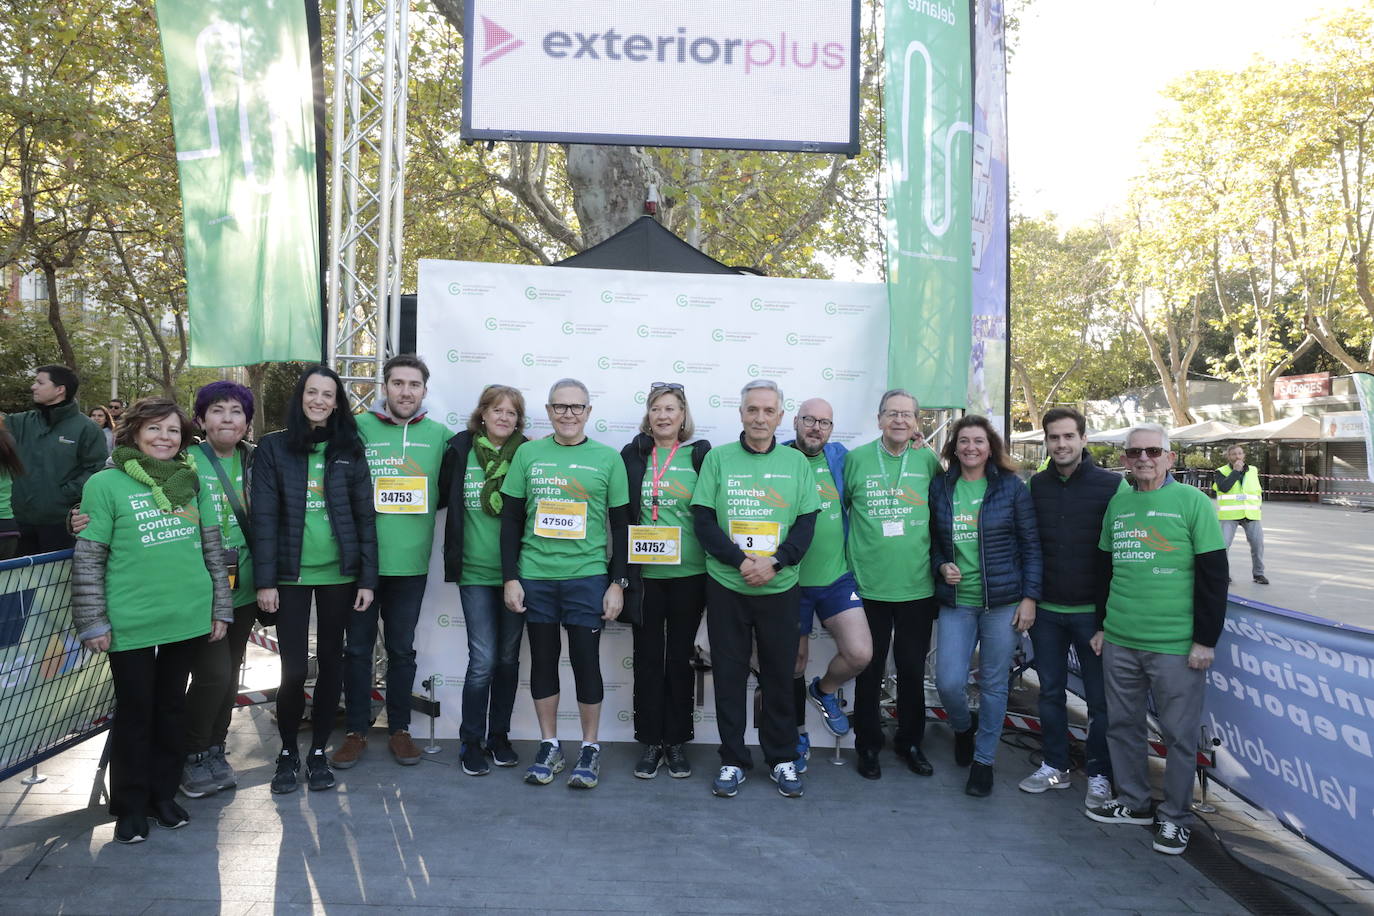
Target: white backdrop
(618, 331)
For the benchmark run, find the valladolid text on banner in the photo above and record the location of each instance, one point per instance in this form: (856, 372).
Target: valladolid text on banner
(929, 110)
(239, 81)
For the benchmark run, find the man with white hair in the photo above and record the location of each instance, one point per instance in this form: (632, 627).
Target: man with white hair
(1165, 607)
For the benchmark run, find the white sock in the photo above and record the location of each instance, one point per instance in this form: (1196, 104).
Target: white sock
(591, 744)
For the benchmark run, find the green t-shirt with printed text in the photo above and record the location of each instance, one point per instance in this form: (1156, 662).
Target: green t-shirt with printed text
(1153, 537)
(889, 521)
(157, 589)
(481, 532)
(825, 560)
(968, 506)
(319, 550)
(762, 494)
(414, 450)
(567, 490)
(675, 490)
(229, 529)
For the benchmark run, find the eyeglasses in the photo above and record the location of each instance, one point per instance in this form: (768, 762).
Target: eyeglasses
(810, 422)
(564, 409)
(1154, 451)
(668, 386)
(899, 415)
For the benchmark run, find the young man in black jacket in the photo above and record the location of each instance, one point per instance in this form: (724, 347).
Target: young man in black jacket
(1070, 496)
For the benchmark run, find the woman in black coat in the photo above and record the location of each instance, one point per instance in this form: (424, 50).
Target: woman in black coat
(314, 536)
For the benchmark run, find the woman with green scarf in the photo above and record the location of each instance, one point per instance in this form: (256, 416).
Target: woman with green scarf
(148, 584)
(475, 464)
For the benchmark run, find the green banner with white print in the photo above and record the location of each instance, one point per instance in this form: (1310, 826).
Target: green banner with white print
(239, 81)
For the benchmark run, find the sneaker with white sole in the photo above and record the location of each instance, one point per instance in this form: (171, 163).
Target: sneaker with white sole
(1171, 839)
(220, 770)
(1099, 792)
(196, 779)
(1114, 812)
(548, 762)
(727, 782)
(587, 773)
(1044, 779)
(831, 710)
(789, 783)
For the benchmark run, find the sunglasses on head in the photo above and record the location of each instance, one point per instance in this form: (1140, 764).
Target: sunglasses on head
(1154, 451)
(668, 386)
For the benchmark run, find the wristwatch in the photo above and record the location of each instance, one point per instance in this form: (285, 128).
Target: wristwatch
(777, 565)
(623, 582)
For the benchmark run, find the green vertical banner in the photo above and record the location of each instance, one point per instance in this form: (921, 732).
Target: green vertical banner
(929, 110)
(1364, 387)
(238, 76)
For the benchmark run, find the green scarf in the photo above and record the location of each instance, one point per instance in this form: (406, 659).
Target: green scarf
(495, 463)
(173, 482)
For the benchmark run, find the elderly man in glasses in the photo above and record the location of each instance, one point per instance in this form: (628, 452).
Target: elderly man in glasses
(1165, 607)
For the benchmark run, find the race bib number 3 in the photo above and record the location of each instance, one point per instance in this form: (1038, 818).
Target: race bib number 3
(554, 518)
(400, 495)
(756, 539)
(660, 545)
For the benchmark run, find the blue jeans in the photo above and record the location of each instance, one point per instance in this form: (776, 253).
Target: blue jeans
(1051, 636)
(493, 663)
(397, 605)
(961, 628)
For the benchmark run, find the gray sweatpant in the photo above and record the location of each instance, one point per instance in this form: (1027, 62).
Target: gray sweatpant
(1130, 675)
(1254, 536)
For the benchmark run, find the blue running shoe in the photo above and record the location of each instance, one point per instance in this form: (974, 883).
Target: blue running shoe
(803, 751)
(727, 783)
(830, 708)
(587, 773)
(548, 761)
(789, 783)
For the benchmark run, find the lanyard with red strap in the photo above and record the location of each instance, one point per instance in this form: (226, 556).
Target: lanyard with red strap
(658, 475)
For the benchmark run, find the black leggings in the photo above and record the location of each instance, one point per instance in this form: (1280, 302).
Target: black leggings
(584, 652)
(333, 604)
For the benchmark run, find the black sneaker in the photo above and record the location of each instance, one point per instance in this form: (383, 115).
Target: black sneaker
(678, 765)
(649, 762)
(168, 814)
(979, 780)
(1114, 812)
(963, 743)
(869, 768)
(502, 754)
(131, 828)
(1259, 580)
(1171, 839)
(474, 760)
(287, 778)
(318, 773)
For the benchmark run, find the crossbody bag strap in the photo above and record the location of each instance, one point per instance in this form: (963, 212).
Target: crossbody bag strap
(240, 514)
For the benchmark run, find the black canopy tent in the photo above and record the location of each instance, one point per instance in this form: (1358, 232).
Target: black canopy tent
(643, 245)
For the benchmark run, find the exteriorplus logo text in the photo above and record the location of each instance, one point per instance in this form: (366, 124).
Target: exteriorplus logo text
(749, 54)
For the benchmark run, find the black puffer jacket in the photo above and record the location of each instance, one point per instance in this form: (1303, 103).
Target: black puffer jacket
(1008, 541)
(278, 513)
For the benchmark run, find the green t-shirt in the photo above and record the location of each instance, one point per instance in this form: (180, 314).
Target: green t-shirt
(567, 491)
(889, 521)
(674, 509)
(756, 498)
(230, 532)
(825, 561)
(968, 505)
(406, 454)
(1153, 538)
(1065, 608)
(157, 589)
(319, 550)
(481, 532)
(6, 488)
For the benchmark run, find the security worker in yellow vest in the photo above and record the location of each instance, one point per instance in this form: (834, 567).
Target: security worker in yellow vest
(1237, 486)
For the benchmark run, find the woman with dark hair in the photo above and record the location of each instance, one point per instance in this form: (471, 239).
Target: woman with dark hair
(475, 465)
(101, 417)
(667, 591)
(985, 552)
(10, 468)
(314, 536)
(148, 584)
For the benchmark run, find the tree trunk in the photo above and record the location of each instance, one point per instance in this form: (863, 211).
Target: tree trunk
(609, 185)
(256, 374)
(55, 320)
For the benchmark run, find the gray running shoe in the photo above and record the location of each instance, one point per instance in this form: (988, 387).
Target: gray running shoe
(548, 762)
(196, 778)
(220, 770)
(587, 773)
(1044, 779)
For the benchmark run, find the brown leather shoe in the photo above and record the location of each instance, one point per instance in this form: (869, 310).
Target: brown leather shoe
(406, 751)
(353, 746)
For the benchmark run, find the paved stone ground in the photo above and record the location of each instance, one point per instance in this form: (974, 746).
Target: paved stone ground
(429, 839)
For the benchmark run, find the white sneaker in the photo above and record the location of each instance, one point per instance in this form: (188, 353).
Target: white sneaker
(1099, 791)
(1047, 777)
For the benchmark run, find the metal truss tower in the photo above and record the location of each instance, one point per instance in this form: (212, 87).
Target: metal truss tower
(371, 66)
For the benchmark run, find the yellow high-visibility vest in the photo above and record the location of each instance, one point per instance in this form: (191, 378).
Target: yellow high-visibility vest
(1243, 502)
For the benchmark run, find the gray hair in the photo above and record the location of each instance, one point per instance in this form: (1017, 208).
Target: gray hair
(1150, 428)
(765, 383)
(569, 383)
(897, 393)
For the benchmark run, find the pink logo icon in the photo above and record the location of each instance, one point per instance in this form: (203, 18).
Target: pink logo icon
(498, 42)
